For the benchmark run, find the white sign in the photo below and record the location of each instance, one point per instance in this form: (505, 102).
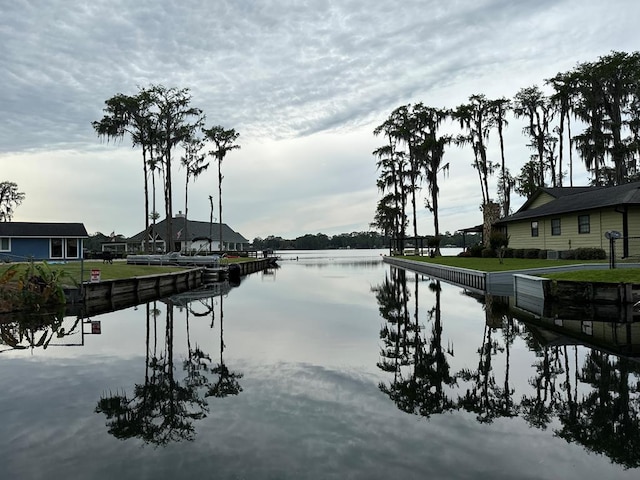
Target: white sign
(95, 276)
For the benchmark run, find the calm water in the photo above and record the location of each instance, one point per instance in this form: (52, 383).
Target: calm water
(335, 365)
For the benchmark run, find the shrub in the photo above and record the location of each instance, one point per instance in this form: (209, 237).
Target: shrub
(518, 253)
(590, 254)
(476, 250)
(531, 253)
(542, 254)
(509, 252)
(488, 253)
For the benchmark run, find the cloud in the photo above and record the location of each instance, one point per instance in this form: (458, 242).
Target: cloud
(312, 73)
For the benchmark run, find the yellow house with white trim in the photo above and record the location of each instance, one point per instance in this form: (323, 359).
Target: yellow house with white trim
(566, 218)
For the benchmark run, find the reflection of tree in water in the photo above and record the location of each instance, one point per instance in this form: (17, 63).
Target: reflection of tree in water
(596, 404)
(227, 383)
(484, 396)
(163, 409)
(605, 419)
(421, 390)
(34, 330)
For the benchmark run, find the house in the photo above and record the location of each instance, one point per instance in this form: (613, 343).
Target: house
(565, 218)
(22, 241)
(189, 236)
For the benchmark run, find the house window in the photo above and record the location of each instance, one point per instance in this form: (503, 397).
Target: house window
(584, 224)
(555, 226)
(56, 247)
(534, 229)
(72, 248)
(5, 244)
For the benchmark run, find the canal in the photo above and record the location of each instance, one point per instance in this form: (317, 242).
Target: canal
(334, 365)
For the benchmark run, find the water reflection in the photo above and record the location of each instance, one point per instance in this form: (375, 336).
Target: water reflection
(580, 389)
(29, 330)
(163, 408)
(418, 362)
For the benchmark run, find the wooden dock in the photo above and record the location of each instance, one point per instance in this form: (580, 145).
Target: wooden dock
(109, 295)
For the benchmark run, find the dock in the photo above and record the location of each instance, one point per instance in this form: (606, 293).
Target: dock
(109, 295)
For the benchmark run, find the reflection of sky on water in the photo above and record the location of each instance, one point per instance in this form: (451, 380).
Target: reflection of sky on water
(306, 341)
(291, 421)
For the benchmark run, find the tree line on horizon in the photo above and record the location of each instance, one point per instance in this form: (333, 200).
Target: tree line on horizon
(159, 121)
(362, 240)
(600, 99)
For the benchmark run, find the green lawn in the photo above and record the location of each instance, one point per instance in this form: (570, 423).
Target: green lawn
(494, 265)
(115, 270)
(108, 271)
(619, 275)
(624, 275)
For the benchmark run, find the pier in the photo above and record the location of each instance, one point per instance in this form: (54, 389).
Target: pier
(107, 295)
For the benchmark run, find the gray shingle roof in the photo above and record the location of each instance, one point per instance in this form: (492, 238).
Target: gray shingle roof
(195, 229)
(582, 199)
(37, 229)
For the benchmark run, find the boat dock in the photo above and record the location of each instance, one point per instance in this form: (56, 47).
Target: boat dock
(109, 294)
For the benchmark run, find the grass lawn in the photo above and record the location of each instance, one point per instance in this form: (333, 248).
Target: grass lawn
(624, 275)
(115, 270)
(619, 275)
(108, 271)
(494, 265)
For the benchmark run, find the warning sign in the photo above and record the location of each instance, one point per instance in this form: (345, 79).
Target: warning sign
(95, 276)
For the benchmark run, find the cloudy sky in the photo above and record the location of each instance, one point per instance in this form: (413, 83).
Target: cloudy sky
(303, 82)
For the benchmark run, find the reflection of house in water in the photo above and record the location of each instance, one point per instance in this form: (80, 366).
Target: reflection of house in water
(613, 329)
(615, 335)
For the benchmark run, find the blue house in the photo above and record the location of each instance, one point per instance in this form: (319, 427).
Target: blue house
(23, 241)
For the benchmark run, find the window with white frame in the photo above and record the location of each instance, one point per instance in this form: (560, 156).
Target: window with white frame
(5, 244)
(56, 247)
(534, 229)
(72, 247)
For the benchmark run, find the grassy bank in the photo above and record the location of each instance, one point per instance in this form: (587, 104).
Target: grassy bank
(110, 271)
(624, 275)
(494, 265)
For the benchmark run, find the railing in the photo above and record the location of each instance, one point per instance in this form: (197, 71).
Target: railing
(464, 277)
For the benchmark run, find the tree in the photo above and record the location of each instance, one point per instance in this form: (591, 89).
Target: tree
(500, 108)
(224, 142)
(385, 217)
(10, 198)
(606, 89)
(391, 164)
(477, 118)
(132, 114)
(430, 152)
(562, 101)
(193, 162)
(531, 103)
(527, 182)
(173, 111)
(406, 129)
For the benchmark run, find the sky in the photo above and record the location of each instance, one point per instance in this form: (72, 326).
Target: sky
(305, 83)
